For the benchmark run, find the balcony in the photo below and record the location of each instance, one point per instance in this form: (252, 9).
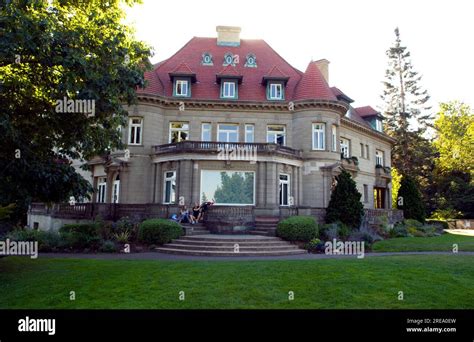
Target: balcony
(213, 147)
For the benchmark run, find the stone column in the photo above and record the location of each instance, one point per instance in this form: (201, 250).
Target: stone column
(158, 196)
(261, 179)
(271, 185)
(196, 196)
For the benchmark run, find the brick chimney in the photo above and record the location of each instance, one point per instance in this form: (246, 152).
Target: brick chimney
(228, 35)
(323, 66)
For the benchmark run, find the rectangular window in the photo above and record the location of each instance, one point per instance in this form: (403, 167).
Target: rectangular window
(249, 133)
(379, 158)
(228, 133)
(379, 198)
(367, 153)
(228, 187)
(378, 125)
(366, 193)
(116, 191)
(206, 134)
(276, 91)
(228, 90)
(276, 134)
(135, 131)
(169, 193)
(284, 187)
(179, 131)
(345, 143)
(101, 189)
(334, 138)
(361, 150)
(319, 136)
(181, 88)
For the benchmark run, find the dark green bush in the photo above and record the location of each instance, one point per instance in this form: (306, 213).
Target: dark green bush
(159, 231)
(108, 247)
(80, 236)
(410, 200)
(90, 229)
(298, 228)
(315, 246)
(47, 241)
(399, 230)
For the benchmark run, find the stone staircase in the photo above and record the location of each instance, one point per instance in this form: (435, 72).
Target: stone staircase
(230, 245)
(265, 225)
(194, 229)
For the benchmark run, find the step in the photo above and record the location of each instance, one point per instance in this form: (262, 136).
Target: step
(274, 252)
(229, 243)
(230, 249)
(261, 232)
(233, 238)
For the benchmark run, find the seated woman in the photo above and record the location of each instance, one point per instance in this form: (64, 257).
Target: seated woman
(184, 216)
(196, 212)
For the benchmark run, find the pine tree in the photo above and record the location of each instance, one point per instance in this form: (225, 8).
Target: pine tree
(345, 204)
(409, 200)
(406, 108)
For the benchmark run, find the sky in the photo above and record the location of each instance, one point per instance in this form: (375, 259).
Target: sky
(352, 35)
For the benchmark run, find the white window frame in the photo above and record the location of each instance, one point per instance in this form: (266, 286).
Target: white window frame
(169, 176)
(101, 189)
(181, 82)
(321, 132)
(135, 139)
(206, 127)
(273, 88)
(116, 191)
(334, 137)
(179, 130)
(230, 89)
(345, 147)
(379, 158)
(272, 133)
(227, 132)
(281, 184)
(250, 130)
(378, 125)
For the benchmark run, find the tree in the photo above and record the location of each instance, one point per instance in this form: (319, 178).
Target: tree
(409, 200)
(345, 205)
(66, 70)
(454, 172)
(405, 109)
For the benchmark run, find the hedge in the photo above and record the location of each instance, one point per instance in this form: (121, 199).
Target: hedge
(159, 231)
(298, 228)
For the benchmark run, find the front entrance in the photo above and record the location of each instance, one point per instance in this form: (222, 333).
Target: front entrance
(379, 198)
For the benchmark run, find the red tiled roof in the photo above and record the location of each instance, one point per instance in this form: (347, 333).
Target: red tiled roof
(340, 94)
(308, 85)
(183, 68)
(313, 85)
(366, 111)
(275, 72)
(229, 70)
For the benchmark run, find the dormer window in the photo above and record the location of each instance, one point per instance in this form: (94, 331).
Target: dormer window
(181, 88)
(229, 90)
(229, 59)
(378, 125)
(275, 91)
(207, 59)
(251, 61)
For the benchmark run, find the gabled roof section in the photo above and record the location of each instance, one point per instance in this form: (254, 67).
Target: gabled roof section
(341, 95)
(182, 70)
(367, 111)
(275, 74)
(313, 86)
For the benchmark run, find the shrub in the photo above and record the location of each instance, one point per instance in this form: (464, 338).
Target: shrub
(298, 228)
(159, 231)
(400, 230)
(343, 231)
(314, 246)
(328, 231)
(409, 200)
(80, 236)
(439, 223)
(47, 241)
(108, 247)
(124, 225)
(122, 237)
(345, 204)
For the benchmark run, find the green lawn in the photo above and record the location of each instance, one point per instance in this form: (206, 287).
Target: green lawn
(428, 281)
(420, 244)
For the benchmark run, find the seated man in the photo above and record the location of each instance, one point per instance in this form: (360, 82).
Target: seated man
(196, 212)
(205, 206)
(184, 216)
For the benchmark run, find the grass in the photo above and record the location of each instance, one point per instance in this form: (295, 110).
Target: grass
(442, 243)
(427, 281)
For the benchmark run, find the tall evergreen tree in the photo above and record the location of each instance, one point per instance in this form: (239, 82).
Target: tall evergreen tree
(409, 200)
(406, 108)
(345, 204)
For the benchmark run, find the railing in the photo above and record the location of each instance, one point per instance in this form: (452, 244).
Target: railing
(230, 211)
(214, 147)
